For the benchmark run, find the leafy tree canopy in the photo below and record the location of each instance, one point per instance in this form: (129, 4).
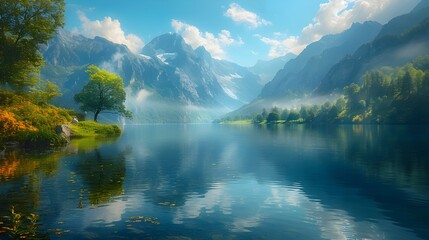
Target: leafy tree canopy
(273, 117)
(104, 92)
(24, 26)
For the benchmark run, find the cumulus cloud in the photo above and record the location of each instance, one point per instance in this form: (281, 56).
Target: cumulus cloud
(334, 17)
(111, 30)
(241, 15)
(213, 44)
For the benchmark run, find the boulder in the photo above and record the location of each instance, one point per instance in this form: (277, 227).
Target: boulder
(64, 131)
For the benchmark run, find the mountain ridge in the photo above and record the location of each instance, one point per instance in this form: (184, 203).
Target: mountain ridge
(303, 73)
(390, 48)
(167, 69)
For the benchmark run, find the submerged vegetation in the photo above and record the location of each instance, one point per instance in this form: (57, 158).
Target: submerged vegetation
(22, 226)
(386, 95)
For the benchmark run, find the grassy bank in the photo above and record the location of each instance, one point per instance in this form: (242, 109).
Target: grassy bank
(93, 129)
(29, 123)
(237, 122)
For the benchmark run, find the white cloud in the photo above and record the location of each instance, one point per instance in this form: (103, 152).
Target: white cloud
(213, 44)
(111, 30)
(280, 48)
(241, 15)
(336, 16)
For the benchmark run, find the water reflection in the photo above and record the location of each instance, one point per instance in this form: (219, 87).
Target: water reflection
(103, 174)
(230, 182)
(340, 185)
(22, 177)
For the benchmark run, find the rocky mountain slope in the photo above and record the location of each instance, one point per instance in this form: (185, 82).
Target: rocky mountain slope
(168, 72)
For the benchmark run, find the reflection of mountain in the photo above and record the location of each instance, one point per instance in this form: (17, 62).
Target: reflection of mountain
(392, 176)
(177, 165)
(331, 173)
(203, 181)
(168, 72)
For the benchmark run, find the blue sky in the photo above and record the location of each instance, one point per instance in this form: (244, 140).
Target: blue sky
(240, 31)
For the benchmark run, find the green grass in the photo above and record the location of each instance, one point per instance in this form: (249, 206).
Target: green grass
(94, 129)
(238, 122)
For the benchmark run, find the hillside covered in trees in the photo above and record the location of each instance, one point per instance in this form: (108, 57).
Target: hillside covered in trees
(386, 95)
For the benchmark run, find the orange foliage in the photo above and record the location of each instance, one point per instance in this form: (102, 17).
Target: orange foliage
(10, 126)
(20, 114)
(8, 169)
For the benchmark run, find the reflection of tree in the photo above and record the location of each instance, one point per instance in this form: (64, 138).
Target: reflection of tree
(16, 165)
(387, 164)
(103, 173)
(24, 172)
(398, 153)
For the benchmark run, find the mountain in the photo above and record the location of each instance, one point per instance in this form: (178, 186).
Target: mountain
(168, 81)
(200, 75)
(304, 73)
(400, 41)
(404, 22)
(67, 55)
(266, 70)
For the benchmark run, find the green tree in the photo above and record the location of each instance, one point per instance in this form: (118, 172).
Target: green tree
(24, 26)
(284, 114)
(303, 112)
(258, 118)
(44, 91)
(264, 113)
(293, 116)
(275, 110)
(352, 93)
(312, 113)
(273, 117)
(104, 92)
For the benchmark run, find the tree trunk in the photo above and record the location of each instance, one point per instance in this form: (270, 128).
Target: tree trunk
(96, 115)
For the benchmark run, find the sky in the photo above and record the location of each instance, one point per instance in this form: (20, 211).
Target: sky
(241, 31)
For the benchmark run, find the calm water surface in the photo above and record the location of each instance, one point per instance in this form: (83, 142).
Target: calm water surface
(223, 182)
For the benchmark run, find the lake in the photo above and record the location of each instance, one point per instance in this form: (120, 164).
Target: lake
(223, 182)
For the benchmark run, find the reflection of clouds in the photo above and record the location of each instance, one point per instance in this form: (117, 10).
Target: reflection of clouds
(250, 204)
(332, 223)
(106, 214)
(80, 219)
(229, 154)
(281, 196)
(196, 204)
(243, 224)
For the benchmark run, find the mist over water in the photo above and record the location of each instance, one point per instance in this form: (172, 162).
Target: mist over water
(148, 107)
